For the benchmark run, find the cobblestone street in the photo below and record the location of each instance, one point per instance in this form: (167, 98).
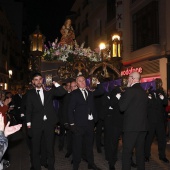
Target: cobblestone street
(19, 157)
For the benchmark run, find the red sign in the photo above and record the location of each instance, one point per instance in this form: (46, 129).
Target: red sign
(131, 70)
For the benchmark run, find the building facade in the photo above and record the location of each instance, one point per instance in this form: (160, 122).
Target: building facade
(145, 38)
(144, 26)
(11, 46)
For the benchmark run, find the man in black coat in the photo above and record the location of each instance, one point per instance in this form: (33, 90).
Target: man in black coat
(134, 104)
(100, 124)
(114, 123)
(82, 116)
(41, 119)
(156, 116)
(66, 100)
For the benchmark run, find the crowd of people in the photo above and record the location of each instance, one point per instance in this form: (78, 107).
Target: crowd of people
(86, 114)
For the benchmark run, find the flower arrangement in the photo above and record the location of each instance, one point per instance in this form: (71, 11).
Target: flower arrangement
(56, 51)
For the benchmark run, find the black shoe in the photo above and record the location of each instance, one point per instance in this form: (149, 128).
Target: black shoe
(147, 159)
(133, 164)
(93, 166)
(67, 155)
(164, 160)
(99, 150)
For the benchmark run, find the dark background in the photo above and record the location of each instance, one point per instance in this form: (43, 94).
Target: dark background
(49, 15)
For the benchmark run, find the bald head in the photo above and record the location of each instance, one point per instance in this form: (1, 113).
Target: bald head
(133, 78)
(136, 76)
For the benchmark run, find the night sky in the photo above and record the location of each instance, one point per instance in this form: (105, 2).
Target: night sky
(49, 15)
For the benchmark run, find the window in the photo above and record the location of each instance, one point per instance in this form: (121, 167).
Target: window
(111, 10)
(145, 25)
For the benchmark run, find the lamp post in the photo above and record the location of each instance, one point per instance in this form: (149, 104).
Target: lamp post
(102, 47)
(36, 49)
(116, 45)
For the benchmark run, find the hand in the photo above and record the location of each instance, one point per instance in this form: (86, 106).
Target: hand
(161, 96)
(118, 95)
(11, 129)
(150, 96)
(56, 84)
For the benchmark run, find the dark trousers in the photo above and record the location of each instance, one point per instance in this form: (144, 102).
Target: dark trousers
(159, 130)
(69, 141)
(133, 140)
(113, 145)
(112, 135)
(83, 134)
(37, 134)
(107, 134)
(61, 137)
(99, 127)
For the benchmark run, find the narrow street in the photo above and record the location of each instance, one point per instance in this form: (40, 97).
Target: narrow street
(19, 157)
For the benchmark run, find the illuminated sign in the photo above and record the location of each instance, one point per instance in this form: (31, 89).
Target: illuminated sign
(131, 70)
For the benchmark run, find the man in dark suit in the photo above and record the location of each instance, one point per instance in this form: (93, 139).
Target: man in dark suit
(61, 116)
(134, 103)
(100, 124)
(73, 86)
(156, 116)
(41, 119)
(82, 116)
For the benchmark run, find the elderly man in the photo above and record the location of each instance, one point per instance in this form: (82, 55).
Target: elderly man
(82, 116)
(134, 103)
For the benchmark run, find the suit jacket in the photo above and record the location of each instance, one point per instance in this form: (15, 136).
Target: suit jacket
(114, 103)
(79, 108)
(17, 101)
(35, 111)
(156, 107)
(66, 101)
(134, 104)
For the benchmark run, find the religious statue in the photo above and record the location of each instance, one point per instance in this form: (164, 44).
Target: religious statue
(105, 73)
(68, 36)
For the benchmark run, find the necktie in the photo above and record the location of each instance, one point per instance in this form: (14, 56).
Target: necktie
(38, 93)
(85, 94)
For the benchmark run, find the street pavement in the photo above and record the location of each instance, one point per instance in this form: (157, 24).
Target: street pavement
(19, 157)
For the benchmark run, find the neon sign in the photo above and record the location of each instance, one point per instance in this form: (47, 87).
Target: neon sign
(131, 70)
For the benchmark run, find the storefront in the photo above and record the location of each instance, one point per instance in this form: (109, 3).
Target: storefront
(149, 70)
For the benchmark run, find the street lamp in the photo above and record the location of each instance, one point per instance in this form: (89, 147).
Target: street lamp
(37, 41)
(116, 45)
(102, 47)
(36, 49)
(10, 73)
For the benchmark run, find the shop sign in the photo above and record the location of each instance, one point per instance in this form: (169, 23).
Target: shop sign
(131, 70)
